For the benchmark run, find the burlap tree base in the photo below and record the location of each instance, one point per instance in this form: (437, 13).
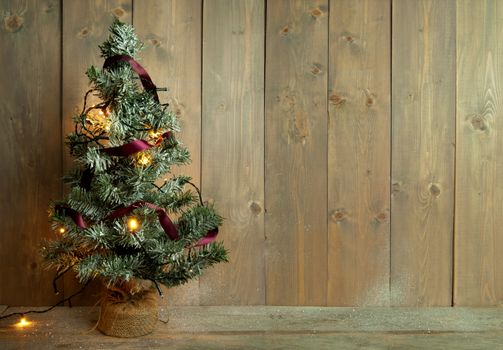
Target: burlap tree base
(128, 315)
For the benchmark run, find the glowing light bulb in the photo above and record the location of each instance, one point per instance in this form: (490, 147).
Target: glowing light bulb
(106, 124)
(144, 159)
(98, 117)
(23, 322)
(91, 117)
(62, 230)
(154, 134)
(133, 224)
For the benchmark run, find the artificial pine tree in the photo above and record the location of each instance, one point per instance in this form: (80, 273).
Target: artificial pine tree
(120, 222)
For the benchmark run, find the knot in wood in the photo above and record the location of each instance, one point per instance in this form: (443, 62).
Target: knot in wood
(369, 98)
(435, 190)
(336, 100)
(155, 42)
(382, 217)
(255, 207)
(13, 23)
(285, 30)
(83, 32)
(178, 111)
(316, 13)
(479, 123)
(316, 69)
(118, 12)
(338, 215)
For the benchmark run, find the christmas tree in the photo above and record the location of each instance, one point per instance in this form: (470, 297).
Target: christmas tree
(128, 218)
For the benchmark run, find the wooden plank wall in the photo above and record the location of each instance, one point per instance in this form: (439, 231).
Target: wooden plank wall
(422, 170)
(353, 146)
(30, 146)
(479, 162)
(359, 139)
(296, 152)
(232, 145)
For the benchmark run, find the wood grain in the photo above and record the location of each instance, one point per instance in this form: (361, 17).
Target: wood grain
(424, 109)
(259, 327)
(85, 26)
(296, 152)
(30, 146)
(305, 192)
(479, 165)
(232, 146)
(176, 64)
(359, 153)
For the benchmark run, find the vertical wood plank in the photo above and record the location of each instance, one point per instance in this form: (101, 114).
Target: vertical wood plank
(296, 152)
(171, 31)
(479, 164)
(232, 145)
(85, 26)
(424, 109)
(30, 145)
(359, 153)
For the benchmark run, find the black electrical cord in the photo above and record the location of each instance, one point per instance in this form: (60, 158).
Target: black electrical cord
(49, 308)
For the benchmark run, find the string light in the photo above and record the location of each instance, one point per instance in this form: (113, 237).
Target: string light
(155, 134)
(99, 118)
(133, 224)
(23, 322)
(106, 125)
(62, 230)
(144, 159)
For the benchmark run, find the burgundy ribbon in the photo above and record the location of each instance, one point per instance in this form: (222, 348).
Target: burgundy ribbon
(77, 217)
(133, 147)
(120, 151)
(164, 219)
(210, 237)
(145, 79)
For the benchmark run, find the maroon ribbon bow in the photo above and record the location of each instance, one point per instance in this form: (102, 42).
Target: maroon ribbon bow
(210, 237)
(164, 219)
(145, 79)
(77, 217)
(133, 147)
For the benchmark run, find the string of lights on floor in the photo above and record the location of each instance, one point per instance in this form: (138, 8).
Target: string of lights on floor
(24, 322)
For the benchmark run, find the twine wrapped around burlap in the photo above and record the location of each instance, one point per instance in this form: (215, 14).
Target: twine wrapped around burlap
(128, 315)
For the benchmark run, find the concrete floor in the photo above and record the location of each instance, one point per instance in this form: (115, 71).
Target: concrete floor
(269, 328)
